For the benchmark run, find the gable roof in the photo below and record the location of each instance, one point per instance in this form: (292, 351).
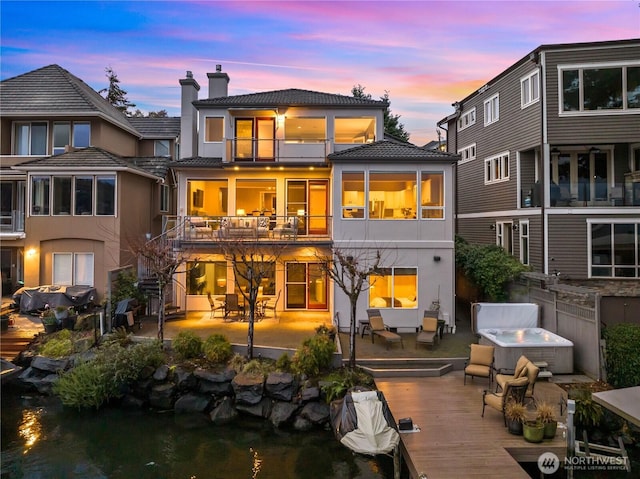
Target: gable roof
(53, 91)
(391, 151)
(291, 97)
(158, 128)
(96, 159)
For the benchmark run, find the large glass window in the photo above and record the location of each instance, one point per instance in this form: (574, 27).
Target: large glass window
(30, 138)
(255, 197)
(61, 137)
(73, 269)
(214, 129)
(40, 195)
(81, 135)
(207, 198)
(265, 269)
(84, 195)
(106, 196)
(355, 130)
(432, 195)
(62, 195)
(394, 288)
(600, 89)
(392, 195)
(304, 130)
(615, 250)
(207, 277)
(353, 194)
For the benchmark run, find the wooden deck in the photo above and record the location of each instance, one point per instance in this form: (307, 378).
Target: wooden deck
(454, 440)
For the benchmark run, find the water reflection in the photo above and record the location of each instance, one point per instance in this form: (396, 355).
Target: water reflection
(41, 439)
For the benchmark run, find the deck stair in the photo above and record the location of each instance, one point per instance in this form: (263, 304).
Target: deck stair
(544, 372)
(406, 367)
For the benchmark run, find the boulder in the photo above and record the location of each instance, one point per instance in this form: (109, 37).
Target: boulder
(280, 386)
(192, 402)
(215, 383)
(248, 388)
(302, 424)
(49, 364)
(161, 373)
(316, 412)
(282, 412)
(261, 409)
(184, 379)
(162, 396)
(224, 412)
(310, 394)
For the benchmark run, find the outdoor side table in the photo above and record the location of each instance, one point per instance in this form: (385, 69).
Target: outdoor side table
(364, 326)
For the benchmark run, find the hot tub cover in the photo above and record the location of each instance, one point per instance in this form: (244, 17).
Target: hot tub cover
(504, 316)
(363, 422)
(37, 298)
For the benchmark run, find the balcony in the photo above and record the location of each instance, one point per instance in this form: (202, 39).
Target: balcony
(594, 194)
(272, 150)
(263, 229)
(12, 223)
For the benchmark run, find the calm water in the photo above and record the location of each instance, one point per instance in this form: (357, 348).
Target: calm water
(40, 439)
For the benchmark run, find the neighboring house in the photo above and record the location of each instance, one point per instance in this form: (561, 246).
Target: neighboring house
(78, 181)
(311, 170)
(550, 160)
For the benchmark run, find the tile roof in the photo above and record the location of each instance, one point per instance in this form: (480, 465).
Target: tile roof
(97, 159)
(160, 128)
(198, 162)
(52, 90)
(290, 97)
(391, 151)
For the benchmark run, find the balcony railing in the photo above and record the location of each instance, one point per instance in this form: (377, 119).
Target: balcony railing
(12, 221)
(582, 195)
(304, 228)
(257, 150)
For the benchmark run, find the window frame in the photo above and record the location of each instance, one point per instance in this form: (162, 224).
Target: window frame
(468, 153)
(165, 198)
(408, 212)
(467, 119)
(530, 89)
(349, 209)
(289, 139)
(390, 272)
(29, 140)
(46, 199)
(612, 266)
(498, 163)
(162, 142)
(371, 130)
(207, 130)
(426, 209)
(525, 242)
(73, 264)
(580, 68)
(491, 109)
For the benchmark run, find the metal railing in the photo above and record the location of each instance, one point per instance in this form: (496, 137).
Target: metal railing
(12, 222)
(257, 150)
(580, 195)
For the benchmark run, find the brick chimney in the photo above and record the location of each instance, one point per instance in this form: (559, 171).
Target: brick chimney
(188, 117)
(218, 83)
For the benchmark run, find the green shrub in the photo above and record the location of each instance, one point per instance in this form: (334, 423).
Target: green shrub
(338, 382)
(588, 412)
(217, 348)
(57, 348)
(94, 382)
(283, 363)
(623, 355)
(259, 367)
(187, 345)
(237, 362)
(315, 355)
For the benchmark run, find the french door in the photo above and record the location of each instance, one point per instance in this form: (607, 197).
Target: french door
(306, 286)
(255, 139)
(309, 200)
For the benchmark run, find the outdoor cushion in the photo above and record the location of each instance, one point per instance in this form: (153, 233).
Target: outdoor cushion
(520, 365)
(481, 355)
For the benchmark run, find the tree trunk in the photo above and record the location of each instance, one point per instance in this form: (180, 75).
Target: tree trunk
(252, 308)
(161, 313)
(352, 334)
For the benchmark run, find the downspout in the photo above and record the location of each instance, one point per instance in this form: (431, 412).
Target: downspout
(546, 162)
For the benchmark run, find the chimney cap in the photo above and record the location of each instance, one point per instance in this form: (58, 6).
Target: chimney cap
(189, 74)
(218, 68)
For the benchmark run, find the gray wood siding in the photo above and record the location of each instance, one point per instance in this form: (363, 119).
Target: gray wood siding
(517, 130)
(568, 245)
(615, 128)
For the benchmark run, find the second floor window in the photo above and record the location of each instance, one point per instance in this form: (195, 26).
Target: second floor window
(614, 251)
(530, 89)
(165, 198)
(162, 148)
(492, 110)
(304, 130)
(467, 119)
(600, 88)
(214, 129)
(468, 153)
(30, 139)
(432, 195)
(496, 168)
(353, 194)
(82, 195)
(355, 130)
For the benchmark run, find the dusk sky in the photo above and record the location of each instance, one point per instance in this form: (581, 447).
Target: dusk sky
(425, 54)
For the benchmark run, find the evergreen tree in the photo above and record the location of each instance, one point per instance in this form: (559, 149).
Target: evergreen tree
(392, 125)
(114, 94)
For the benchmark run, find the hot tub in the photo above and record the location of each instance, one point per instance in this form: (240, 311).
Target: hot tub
(512, 328)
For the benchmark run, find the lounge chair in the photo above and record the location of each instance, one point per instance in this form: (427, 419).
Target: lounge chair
(378, 328)
(480, 362)
(428, 331)
(513, 391)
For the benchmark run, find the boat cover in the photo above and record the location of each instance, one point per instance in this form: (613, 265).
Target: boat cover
(363, 422)
(34, 299)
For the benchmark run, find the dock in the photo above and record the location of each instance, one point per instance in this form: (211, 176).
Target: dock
(454, 440)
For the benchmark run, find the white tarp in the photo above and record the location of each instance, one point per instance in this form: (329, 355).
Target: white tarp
(373, 434)
(505, 315)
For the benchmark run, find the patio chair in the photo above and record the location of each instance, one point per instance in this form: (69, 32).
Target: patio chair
(514, 391)
(232, 305)
(214, 306)
(272, 304)
(524, 367)
(378, 328)
(480, 363)
(428, 333)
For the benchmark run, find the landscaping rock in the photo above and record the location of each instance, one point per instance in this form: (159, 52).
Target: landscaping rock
(215, 383)
(161, 373)
(302, 424)
(316, 412)
(192, 402)
(184, 379)
(162, 396)
(310, 394)
(262, 409)
(132, 402)
(223, 412)
(42, 384)
(282, 412)
(280, 386)
(248, 388)
(49, 364)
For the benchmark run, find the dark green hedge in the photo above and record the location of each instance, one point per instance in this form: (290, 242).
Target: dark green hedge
(623, 355)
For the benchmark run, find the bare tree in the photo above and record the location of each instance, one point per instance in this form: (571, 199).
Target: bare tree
(252, 262)
(350, 274)
(161, 261)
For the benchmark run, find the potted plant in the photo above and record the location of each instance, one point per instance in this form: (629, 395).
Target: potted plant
(69, 321)
(533, 431)
(49, 321)
(330, 331)
(61, 312)
(514, 413)
(545, 414)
